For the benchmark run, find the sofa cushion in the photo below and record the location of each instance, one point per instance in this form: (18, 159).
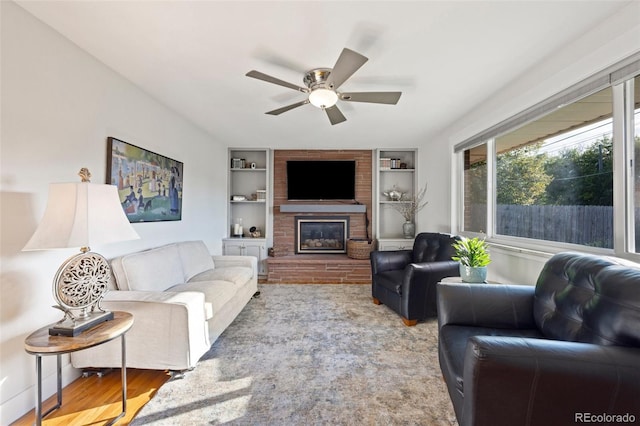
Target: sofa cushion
(195, 258)
(112, 284)
(236, 274)
(216, 293)
(151, 270)
(588, 299)
(433, 247)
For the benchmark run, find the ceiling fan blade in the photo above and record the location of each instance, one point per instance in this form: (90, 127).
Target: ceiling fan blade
(287, 108)
(275, 58)
(262, 76)
(373, 97)
(335, 115)
(348, 63)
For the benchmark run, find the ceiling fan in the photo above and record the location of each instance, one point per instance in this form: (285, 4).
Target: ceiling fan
(322, 87)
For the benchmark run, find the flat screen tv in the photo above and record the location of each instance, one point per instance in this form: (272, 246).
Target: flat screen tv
(321, 179)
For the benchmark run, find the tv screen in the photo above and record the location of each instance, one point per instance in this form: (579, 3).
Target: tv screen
(321, 180)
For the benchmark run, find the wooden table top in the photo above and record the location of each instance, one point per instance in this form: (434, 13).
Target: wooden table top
(458, 280)
(40, 342)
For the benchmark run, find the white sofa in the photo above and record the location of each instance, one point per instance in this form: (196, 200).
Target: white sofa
(181, 298)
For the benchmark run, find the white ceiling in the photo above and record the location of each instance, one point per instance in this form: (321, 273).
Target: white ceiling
(446, 57)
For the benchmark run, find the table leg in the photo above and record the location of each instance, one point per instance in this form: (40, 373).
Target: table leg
(39, 414)
(123, 379)
(38, 390)
(59, 384)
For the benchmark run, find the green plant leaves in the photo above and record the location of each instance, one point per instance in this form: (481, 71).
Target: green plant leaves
(472, 252)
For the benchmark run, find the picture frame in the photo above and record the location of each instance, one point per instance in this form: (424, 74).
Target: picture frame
(150, 185)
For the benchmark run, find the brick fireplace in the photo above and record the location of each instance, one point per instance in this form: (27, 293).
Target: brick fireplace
(288, 266)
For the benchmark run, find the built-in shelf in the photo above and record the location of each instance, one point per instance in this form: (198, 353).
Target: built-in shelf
(388, 223)
(323, 208)
(249, 180)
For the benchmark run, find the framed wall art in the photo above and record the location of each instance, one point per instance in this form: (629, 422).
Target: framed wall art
(149, 184)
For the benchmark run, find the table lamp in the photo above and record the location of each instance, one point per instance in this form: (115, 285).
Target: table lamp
(81, 214)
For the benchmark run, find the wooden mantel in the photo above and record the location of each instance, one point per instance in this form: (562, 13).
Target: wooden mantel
(323, 208)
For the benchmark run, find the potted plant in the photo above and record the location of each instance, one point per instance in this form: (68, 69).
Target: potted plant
(473, 255)
(408, 206)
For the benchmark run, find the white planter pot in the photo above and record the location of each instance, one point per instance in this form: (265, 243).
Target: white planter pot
(473, 275)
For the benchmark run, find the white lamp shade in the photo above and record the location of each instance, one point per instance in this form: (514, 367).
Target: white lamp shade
(81, 215)
(323, 98)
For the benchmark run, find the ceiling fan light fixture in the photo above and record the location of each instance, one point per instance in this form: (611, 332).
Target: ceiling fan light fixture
(323, 98)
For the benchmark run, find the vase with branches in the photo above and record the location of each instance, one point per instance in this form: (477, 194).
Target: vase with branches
(408, 207)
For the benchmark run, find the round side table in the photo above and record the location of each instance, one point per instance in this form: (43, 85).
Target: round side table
(40, 343)
(458, 280)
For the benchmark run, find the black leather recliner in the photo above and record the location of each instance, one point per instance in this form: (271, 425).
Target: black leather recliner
(563, 352)
(405, 280)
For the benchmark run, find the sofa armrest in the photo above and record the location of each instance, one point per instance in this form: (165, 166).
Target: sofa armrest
(486, 305)
(419, 286)
(538, 381)
(169, 331)
(417, 273)
(392, 260)
(226, 261)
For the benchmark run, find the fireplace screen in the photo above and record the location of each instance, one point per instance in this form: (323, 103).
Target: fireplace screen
(321, 234)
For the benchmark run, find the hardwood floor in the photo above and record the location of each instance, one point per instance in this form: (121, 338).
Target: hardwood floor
(96, 400)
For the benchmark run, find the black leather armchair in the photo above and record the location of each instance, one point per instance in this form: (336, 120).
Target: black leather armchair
(405, 280)
(563, 352)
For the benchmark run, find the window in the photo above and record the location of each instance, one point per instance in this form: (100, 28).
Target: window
(475, 189)
(554, 176)
(564, 172)
(635, 131)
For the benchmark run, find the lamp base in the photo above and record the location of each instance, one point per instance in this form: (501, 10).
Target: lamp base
(73, 327)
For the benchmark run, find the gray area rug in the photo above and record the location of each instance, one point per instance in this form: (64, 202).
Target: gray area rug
(311, 355)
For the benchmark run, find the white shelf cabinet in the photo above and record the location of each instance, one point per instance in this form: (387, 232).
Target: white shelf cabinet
(395, 244)
(397, 168)
(247, 247)
(248, 198)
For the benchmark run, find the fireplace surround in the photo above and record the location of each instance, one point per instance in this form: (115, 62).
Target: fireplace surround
(321, 234)
(284, 210)
(287, 266)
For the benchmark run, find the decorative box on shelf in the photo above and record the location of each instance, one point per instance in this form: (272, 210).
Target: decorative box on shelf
(392, 164)
(237, 163)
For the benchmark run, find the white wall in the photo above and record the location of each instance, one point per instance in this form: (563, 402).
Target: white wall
(606, 44)
(435, 173)
(59, 105)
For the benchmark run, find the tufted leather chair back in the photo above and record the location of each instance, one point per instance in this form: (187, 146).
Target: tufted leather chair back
(433, 247)
(591, 299)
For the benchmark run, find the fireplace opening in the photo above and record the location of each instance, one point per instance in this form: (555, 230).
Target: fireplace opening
(315, 234)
